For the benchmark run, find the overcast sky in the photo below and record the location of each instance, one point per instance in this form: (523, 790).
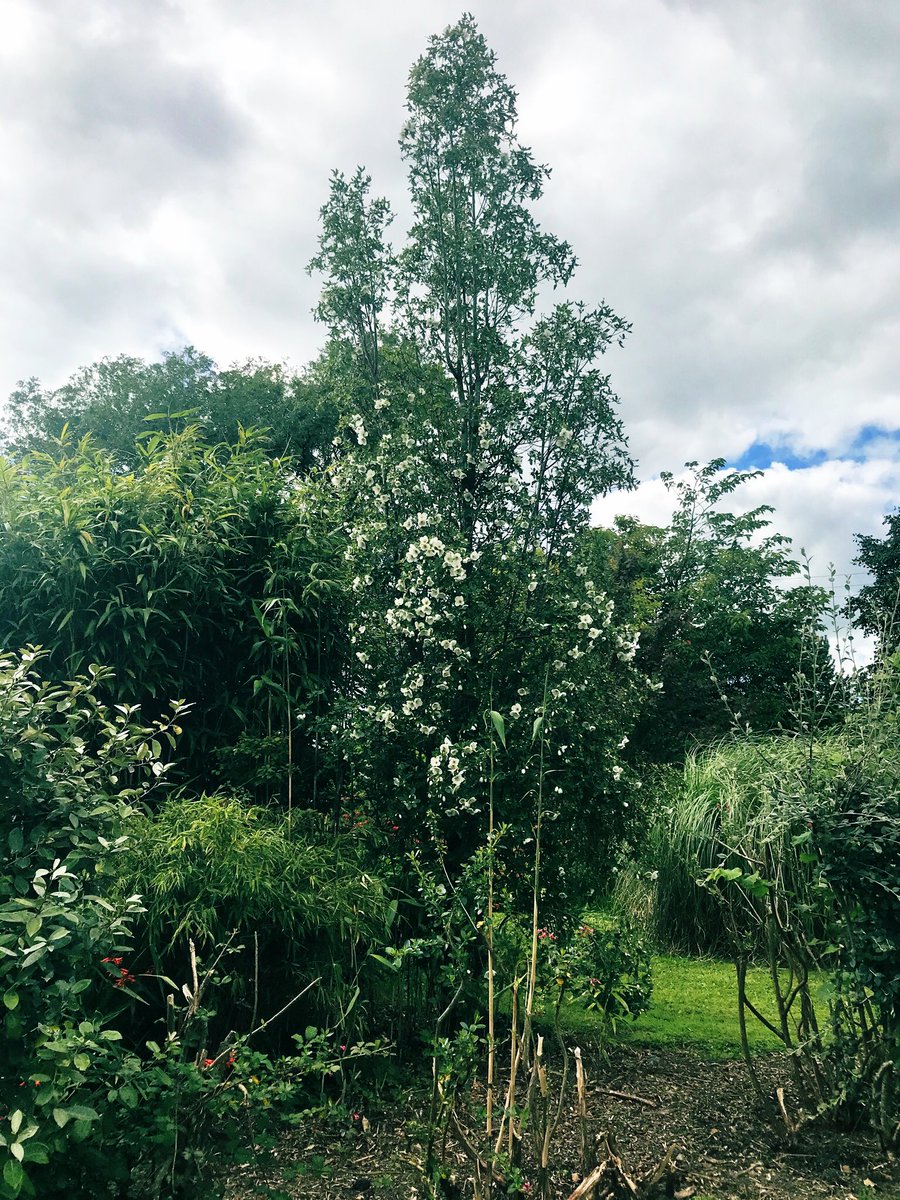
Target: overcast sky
(728, 172)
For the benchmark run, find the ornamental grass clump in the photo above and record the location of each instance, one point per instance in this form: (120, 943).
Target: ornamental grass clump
(740, 792)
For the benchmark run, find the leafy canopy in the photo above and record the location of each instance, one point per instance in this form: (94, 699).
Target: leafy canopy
(120, 401)
(721, 629)
(876, 606)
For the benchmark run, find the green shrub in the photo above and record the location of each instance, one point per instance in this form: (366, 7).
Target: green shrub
(796, 843)
(605, 966)
(86, 1109)
(70, 772)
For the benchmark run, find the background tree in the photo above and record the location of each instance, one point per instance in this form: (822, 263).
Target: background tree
(710, 594)
(118, 400)
(876, 606)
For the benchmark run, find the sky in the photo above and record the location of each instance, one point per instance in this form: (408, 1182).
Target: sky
(727, 171)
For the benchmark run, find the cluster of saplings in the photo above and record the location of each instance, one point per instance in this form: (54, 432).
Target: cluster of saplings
(325, 712)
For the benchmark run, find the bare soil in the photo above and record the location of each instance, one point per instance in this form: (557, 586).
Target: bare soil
(731, 1148)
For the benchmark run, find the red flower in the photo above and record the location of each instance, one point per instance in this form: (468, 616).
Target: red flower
(117, 962)
(209, 1062)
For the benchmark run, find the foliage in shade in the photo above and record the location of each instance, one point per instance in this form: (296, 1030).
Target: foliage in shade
(85, 1107)
(211, 866)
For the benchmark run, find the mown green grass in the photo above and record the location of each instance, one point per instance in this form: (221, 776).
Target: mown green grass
(694, 1007)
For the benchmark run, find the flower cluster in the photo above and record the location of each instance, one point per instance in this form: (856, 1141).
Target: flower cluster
(125, 976)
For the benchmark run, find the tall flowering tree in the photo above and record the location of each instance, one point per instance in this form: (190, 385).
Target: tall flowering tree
(477, 434)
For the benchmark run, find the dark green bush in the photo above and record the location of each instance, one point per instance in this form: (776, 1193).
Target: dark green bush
(207, 573)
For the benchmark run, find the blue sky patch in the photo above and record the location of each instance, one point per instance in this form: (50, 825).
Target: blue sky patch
(869, 434)
(761, 455)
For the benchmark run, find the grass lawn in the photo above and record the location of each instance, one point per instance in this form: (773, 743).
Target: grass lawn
(694, 1006)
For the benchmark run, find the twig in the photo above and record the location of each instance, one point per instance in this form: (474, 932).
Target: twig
(195, 997)
(255, 976)
(629, 1096)
(662, 1170)
(589, 1182)
(611, 1165)
(268, 1021)
(790, 1125)
(473, 1153)
(588, 1154)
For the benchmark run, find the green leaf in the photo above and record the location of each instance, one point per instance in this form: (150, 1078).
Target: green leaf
(499, 726)
(15, 1121)
(66, 619)
(37, 1152)
(536, 728)
(82, 1062)
(11, 999)
(78, 1112)
(13, 1175)
(61, 1117)
(80, 1131)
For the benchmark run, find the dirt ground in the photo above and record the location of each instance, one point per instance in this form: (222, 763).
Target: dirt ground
(729, 1149)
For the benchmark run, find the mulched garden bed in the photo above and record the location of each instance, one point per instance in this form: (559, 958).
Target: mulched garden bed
(729, 1150)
